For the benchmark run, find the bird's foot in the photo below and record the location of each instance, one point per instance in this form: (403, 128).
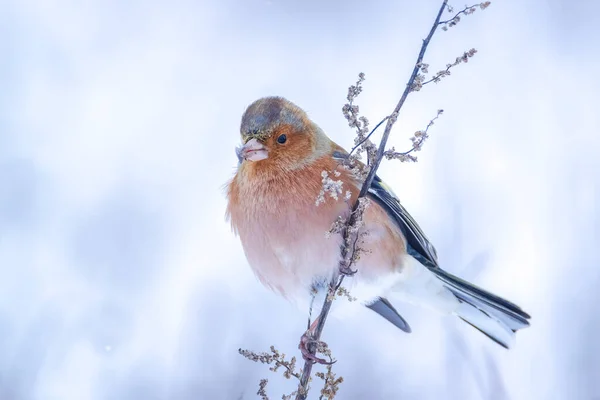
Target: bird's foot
(347, 271)
(306, 341)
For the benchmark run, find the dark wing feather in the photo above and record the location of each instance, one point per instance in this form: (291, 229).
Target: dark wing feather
(384, 308)
(417, 244)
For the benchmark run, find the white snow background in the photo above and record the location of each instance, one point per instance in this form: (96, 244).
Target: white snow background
(119, 277)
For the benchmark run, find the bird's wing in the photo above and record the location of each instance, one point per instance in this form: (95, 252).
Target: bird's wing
(417, 244)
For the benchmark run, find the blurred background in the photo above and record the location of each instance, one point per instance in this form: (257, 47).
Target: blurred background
(121, 279)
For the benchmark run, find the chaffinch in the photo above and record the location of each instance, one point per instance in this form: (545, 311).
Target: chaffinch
(272, 207)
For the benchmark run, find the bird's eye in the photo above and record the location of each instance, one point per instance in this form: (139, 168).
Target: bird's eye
(281, 139)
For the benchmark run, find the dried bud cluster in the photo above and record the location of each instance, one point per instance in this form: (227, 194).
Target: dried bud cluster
(276, 358)
(464, 58)
(357, 222)
(336, 227)
(417, 139)
(354, 238)
(392, 154)
(423, 67)
(351, 111)
(331, 187)
(466, 11)
(354, 91)
(331, 383)
(343, 292)
(362, 144)
(262, 389)
(420, 81)
(417, 142)
(353, 164)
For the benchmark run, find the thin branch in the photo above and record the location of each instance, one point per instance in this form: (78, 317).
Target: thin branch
(337, 280)
(466, 11)
(368, 136)
(276, 358)
(418, 139)
(446, 72)
(394, 116)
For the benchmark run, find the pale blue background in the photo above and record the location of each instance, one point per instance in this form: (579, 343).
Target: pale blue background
(119, 278)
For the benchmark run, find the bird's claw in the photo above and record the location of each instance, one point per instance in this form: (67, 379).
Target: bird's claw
(347, 271)
(305, 342)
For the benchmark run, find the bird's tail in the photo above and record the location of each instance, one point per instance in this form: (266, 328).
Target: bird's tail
(494, 316)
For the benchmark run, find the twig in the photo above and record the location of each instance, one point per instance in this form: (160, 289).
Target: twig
(338, 279)
(417, 140)
(276, 358)
(466, 11)
(446, 72)
(368, 136)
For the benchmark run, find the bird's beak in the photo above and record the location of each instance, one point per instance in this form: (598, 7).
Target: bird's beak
(254, 150)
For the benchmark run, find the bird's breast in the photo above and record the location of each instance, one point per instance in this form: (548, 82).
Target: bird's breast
(283, 232)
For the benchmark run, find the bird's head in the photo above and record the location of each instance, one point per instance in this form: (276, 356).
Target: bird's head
(276, 132)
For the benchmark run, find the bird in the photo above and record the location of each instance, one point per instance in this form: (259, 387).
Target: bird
(283, 161)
